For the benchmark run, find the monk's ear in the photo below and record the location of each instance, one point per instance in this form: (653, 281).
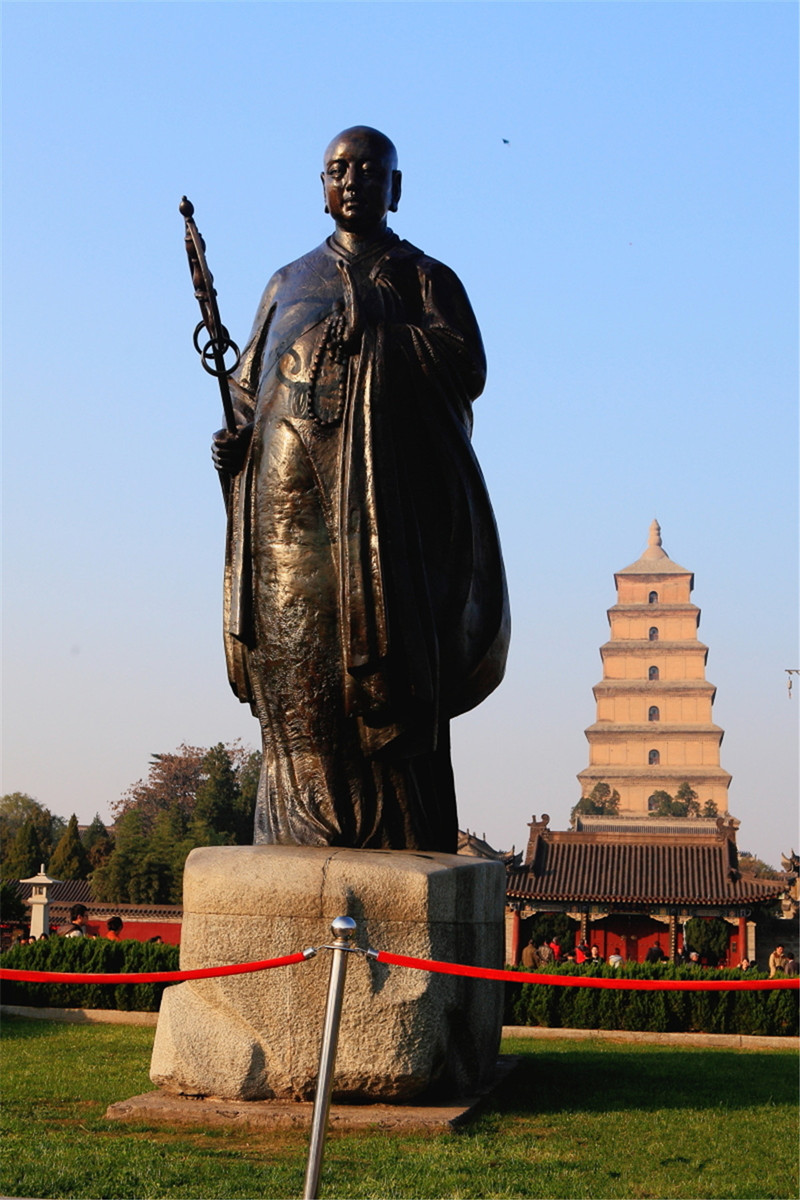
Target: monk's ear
(397, 179)
(324, 196)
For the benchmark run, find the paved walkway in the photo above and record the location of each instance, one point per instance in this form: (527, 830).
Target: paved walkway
(732, 1041)
(80, 1016)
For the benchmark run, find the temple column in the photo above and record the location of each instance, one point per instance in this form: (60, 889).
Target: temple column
(742, 941)
(512, 936)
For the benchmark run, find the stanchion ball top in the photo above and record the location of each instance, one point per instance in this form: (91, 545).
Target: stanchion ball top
(343, 927)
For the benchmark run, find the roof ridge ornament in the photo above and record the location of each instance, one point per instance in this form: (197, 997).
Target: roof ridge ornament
(538, 829)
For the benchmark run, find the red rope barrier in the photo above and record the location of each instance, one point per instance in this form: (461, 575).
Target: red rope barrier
(640, 985)
(418, 964)
(151, 976)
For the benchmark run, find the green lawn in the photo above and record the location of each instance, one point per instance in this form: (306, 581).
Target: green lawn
(585, 1119)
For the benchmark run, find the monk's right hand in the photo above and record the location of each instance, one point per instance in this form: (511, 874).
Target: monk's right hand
(228, 450)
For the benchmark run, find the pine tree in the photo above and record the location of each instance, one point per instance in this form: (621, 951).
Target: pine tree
(25, 855)
(660, 803)
(214, 821)
(12, 906)
(94, 833)
(709, 937)
(116, 881)
(167, 848)
(601, 801)
(686, 797)
(247, 777)
(70, 860)
(97, 842)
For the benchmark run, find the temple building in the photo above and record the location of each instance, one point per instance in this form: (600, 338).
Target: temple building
(654, 730)
(628, 889)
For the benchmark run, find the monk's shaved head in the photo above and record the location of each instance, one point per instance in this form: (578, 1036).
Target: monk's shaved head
(364, 136)
(360, 180)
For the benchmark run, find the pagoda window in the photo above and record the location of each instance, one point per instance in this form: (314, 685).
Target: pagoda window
(653, 758)
(653, 714)
(653, 634)
(652, 598)
(652, 672)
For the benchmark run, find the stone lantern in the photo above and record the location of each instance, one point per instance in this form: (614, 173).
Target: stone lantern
(40, 902)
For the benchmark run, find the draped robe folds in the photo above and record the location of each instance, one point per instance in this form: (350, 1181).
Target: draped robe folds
(365, 599)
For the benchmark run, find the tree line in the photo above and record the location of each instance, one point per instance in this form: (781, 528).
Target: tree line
(195, 796)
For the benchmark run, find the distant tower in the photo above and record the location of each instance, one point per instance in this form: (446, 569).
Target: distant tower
(654, 729)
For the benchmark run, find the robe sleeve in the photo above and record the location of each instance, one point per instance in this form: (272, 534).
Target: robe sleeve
(244, 380)
(434, 336)
(238, 632)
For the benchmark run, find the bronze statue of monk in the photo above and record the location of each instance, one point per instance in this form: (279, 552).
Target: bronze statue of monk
(365, 599)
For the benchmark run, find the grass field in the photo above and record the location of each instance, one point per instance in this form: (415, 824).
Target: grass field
(579, 1119)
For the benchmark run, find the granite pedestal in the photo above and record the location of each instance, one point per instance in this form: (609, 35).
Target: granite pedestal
(257, 1036)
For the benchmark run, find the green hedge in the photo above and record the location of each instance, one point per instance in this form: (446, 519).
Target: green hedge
(95, 955)
(772, 1013)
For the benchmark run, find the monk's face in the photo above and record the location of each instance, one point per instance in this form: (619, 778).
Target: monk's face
(360, 180)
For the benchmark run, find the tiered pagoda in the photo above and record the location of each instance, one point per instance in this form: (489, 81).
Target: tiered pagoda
(632, 871)
(654, 730)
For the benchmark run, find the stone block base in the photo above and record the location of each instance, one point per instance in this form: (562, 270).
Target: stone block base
(443, 1115)
(257, 1037)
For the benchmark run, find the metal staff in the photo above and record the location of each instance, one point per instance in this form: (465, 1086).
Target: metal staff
(212, 352)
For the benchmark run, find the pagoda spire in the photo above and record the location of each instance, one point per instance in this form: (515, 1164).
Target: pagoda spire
(654, 559)
(654, 550)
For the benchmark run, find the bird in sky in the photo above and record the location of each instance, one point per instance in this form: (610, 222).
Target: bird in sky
(506, 142)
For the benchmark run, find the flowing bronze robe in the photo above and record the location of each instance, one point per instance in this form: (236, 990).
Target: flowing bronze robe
(365, 599)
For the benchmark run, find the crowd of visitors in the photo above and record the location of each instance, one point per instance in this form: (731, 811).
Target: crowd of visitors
(533, 957)
(552, 954)
(77, 927)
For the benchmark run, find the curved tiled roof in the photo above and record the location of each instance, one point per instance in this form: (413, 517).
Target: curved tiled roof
(65, 893)
(653, 871)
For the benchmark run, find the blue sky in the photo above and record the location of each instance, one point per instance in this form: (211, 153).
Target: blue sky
(631, 254)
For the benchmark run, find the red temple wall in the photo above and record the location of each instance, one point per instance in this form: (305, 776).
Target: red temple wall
(140, 931)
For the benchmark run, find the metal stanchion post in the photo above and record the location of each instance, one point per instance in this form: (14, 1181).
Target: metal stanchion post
(343, 929)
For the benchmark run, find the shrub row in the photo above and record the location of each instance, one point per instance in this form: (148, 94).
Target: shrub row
(768, 1012)
(98, 956)
(772, 1013)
